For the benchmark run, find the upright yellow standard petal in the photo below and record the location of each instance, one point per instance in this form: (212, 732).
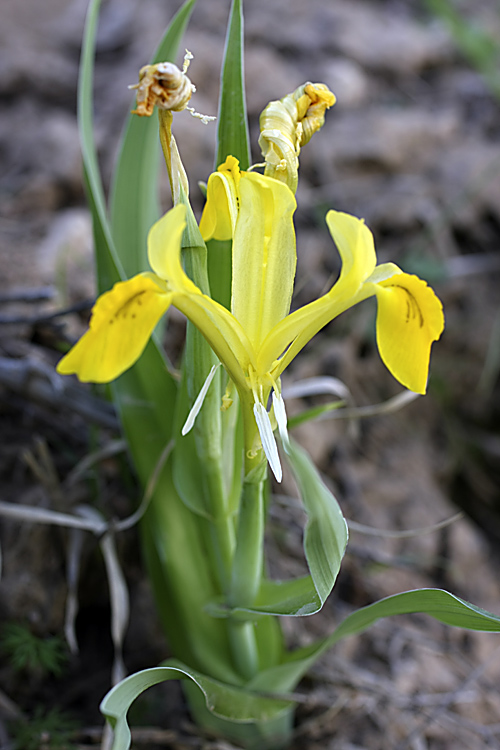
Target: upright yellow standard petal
(409, 318)
(122, 322)
(264, 255)
(220, 214)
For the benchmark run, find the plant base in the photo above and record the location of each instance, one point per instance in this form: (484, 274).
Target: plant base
(274, 734)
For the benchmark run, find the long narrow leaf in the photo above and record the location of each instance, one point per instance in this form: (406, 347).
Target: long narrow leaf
(232, 135)
(223, 700)
(232, 139)
(440, 604)
(108, 266)
(325, 535)
(147, 388)
(134, 194)
(296, 597)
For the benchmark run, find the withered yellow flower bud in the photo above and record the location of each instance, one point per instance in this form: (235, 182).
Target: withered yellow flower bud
(164, 86)
(288, 124)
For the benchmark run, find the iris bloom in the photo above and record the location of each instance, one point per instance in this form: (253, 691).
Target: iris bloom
(258, 338)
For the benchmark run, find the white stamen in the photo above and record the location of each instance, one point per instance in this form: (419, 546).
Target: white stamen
(199, 401)
(281, 418)
(268, 439)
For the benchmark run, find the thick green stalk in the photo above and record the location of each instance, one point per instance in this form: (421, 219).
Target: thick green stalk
(247, 573)
(248, 557)
(248, 560)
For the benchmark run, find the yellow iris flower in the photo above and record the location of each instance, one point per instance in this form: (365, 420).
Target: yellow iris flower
(258, 338)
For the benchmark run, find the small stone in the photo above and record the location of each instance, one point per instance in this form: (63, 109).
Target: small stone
(347, 81)
(65, 256)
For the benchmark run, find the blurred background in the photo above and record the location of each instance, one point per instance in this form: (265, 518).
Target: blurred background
(412, 146)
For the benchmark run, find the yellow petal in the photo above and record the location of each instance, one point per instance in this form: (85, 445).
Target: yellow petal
(122, 322)
(164, 240)
(264, 255)
(222, 331)
(409, 318)
(355, 244)
(219, 216)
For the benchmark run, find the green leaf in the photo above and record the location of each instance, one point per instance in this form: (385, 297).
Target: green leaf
(220, 270)
(295, 597)
(440, 604)
(232, 449)
(325, 541)
(189, 477)
(232, 134)
(232, 139)
(134, 192)
(109, 269)
(325, 535)
(225, 701)
(145, 398)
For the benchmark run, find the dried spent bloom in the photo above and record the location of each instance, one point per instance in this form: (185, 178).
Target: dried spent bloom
(165, 86)
(162, 85)
(288, 124)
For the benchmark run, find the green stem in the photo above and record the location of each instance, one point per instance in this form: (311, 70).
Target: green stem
(244, 648)
(248, 556)
(221, 526)
(249, 553)
(246, 575)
